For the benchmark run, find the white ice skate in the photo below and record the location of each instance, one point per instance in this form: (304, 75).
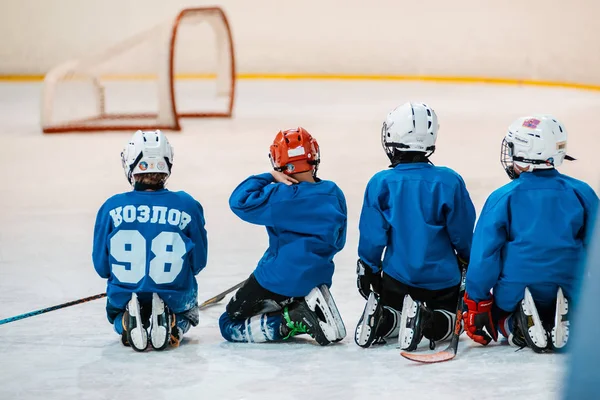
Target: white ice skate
(133, 324)
(408, 335)
(560, 331)
(318, 304)
(531, 324)
(366, 329)
(337, 318)
(160, 324)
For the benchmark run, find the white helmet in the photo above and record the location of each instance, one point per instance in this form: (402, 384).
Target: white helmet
(147, 152)
(410, 127)
(537, 141)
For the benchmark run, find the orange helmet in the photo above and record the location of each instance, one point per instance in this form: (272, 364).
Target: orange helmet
(294, 151)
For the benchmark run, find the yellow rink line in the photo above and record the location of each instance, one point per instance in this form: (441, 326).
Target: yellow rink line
(345, 77)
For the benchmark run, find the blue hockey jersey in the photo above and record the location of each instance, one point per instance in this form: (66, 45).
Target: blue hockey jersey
(306, 224)
(532, 232)
(151, 242)
(422, 216)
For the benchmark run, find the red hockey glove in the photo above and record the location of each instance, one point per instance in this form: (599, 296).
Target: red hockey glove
(478, 317)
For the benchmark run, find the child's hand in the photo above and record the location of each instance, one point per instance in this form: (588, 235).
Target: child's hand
(283, 178)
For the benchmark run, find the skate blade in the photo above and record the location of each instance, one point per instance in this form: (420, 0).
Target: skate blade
(363, 330)
(409, 310)
(341, 328)
(560, 331)
(536, 333)
(159, 333)
(138, 337)
(315, 299)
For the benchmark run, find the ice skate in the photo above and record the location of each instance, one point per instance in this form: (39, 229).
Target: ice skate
(136, 334)
(369, 322)
(516, 338)
(176, 334)
(560, 331)
(161, 323)
(313, 316)
(124, 339)
(412, 320)
(531, 325)
(339, 323)
(300, 319)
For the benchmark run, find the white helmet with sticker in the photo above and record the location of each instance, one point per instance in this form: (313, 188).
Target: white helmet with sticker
(147, 152)
(534, 142)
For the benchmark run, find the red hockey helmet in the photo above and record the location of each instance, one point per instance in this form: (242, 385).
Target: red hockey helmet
(294, 151)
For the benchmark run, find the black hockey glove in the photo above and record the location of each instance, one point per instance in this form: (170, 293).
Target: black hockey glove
(367, 280)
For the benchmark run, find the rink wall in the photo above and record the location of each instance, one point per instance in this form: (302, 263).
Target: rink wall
(506, 40)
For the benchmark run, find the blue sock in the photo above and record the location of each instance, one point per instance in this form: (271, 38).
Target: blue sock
(118, 323)
(257, 329)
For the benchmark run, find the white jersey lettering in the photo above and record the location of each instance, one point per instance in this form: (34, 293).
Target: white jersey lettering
(146, 214)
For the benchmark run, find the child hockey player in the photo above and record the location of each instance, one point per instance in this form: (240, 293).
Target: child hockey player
(287, 294)
(150, 243)
(529, 241)
(423, 217)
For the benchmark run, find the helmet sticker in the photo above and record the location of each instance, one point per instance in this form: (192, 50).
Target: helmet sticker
(561, 145)
(290, 167)
(531, 123)
(143, 166)
(298, 151)
(161, 165)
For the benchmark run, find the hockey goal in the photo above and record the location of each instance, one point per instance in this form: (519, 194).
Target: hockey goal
(149, 81)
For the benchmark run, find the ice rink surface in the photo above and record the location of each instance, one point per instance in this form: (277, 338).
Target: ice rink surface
(54, 184)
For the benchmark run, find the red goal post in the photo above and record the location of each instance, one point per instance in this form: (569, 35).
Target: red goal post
(89, 94)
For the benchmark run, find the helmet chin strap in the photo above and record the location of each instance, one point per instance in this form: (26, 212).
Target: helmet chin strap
(133, 165)
(532, 162)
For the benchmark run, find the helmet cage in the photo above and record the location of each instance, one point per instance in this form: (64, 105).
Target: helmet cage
(507, 159)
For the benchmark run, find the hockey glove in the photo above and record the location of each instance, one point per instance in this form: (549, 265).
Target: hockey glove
(367, 281)
(478, 317)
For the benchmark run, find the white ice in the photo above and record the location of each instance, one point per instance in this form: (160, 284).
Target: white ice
(53, 185)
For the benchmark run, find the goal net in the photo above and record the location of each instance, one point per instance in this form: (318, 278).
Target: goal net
(184, 67)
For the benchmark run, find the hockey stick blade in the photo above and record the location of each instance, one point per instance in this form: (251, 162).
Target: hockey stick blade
(220, 296)
(441, 356)
(450, 352)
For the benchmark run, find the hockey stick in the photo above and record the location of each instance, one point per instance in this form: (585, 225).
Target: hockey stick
(48, 309)
(220, 296)
(450, 352)
(207, 303)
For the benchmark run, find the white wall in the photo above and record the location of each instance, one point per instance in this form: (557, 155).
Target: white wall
(553, 40)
